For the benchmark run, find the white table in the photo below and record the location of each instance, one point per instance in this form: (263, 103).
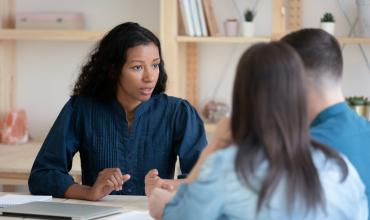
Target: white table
(127, 203)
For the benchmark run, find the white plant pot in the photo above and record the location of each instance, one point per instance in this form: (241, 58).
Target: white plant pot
(328, 27)
(363, 10)
(248, 29)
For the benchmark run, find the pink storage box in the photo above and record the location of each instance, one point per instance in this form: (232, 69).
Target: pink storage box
(49, 20)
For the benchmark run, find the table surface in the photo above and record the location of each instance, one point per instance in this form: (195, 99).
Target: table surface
(127, 204)
(16, 162)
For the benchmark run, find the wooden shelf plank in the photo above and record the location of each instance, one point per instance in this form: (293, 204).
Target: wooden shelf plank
(238, 40)
(65, 35)
(84, 35)
(354, 40)
(17, 159)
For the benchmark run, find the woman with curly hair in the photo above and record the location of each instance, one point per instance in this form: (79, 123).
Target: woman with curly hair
(120, 121)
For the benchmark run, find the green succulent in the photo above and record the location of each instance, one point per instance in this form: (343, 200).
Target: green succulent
(328, 17)
(357, 100)
(248, 15)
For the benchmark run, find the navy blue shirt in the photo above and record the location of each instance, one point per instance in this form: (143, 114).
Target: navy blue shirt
(164, 127)
(339, 127)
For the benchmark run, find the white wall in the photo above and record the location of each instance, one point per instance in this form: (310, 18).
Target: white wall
(47, 70)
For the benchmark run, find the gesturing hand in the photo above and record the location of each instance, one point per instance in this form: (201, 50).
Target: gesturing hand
(222, 136)
(108, 180)
(157, 201)
(151, 181)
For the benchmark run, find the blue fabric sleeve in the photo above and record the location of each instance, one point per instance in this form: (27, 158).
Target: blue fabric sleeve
(190, 136)
(202, 199)
(49, 174)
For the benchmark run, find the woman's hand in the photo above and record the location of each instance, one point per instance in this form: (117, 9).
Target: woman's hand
(108, 180)
(158, 200)
(222, 136)
(152, 180)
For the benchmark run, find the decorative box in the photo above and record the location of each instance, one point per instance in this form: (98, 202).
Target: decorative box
(49, 20)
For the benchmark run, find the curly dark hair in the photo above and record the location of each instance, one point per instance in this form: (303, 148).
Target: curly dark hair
(99, 77)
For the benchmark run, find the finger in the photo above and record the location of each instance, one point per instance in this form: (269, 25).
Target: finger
(118, 171)
(167, 186)
(152, 181)
(108, 187)
(118, 177)
(125, 178)
(152, 173)
(115, 182)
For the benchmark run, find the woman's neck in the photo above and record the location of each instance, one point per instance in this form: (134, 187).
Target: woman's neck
(129, 105)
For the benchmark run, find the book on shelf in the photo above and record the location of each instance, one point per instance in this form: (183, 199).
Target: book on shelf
(195, 17)
(180, 22)
(186, 17)
(203, 26)
(210, 18)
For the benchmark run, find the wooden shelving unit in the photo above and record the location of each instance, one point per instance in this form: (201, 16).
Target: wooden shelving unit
(286, 17)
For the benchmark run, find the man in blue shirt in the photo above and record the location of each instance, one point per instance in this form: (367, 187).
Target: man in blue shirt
(333, 122)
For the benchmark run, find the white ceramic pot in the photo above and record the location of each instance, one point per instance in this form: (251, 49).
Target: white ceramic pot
(231, 28)
(328, 27)
(363, 10)
(248, 28)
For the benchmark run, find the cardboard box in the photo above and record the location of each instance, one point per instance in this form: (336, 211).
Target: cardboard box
(49, 20)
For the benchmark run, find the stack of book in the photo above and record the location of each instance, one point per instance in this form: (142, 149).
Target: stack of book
(198, 18)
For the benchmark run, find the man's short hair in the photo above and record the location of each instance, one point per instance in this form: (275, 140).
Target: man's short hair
(320, 52)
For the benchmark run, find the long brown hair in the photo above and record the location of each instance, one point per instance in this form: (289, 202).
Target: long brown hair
(269, 123)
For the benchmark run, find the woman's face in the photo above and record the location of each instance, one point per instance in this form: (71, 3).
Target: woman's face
(139, 73)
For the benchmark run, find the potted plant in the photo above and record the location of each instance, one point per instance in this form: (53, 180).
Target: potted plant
(359, 104)
(231, 27)
(248, 24)
(328, 23)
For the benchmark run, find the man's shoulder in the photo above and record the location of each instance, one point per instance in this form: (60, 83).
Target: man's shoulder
(338, 132)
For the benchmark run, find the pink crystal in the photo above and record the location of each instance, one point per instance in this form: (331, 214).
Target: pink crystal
(14, 127)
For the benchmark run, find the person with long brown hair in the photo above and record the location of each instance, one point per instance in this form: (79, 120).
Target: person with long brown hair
(272, 168)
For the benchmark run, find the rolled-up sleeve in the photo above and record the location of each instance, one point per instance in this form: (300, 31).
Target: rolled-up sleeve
(202, 199)
(49, 174)
(190, 136)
